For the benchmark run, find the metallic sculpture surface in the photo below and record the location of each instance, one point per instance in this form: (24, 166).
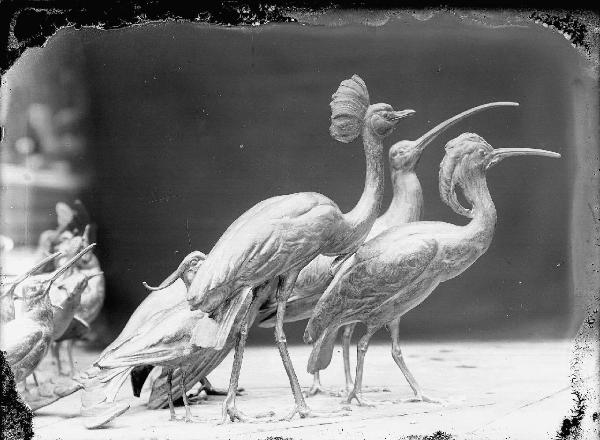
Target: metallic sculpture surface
(398, 269)
(405, 207)
(279, 236)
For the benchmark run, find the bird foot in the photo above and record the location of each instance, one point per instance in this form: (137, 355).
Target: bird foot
(314, 390)
(199, 397)
(423, 398)
(307, 413)
(359, 398)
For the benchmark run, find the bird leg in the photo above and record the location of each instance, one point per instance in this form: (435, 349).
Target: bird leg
(56, 356)
(316, 387)
(346, 339)
(284, 289)
(170, 393)
(35, 379)
(188, 412)
(361, 351)
(394, 328)
(230, 411)
(70, 343)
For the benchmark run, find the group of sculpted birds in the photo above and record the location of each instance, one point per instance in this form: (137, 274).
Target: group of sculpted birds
(298, 256)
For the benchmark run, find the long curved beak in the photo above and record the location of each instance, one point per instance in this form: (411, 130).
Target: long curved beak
(502, 153)
(94, 275)
(402, 114)
(166, 283)
(61, 270)
(430, 136)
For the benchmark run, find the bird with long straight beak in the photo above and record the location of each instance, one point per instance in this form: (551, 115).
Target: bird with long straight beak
(405, 207)
(398, 269)
(277, 237)
(26, 339)
(7, 303)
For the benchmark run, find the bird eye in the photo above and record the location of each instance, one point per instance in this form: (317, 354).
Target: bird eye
(481, 153)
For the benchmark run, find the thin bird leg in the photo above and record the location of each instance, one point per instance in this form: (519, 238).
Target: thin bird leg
(230, 411)
(170, 393)
(346, 339)
(284, 289)
(188, 412)
(316, 387)
(361, 351)
(394, 328)
(70, 354)
(56, 356)
(35, 379)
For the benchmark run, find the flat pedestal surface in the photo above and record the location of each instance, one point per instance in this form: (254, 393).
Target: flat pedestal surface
(493, 390)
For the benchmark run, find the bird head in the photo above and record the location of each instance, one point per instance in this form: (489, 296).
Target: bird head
(351, 112)
(404, 155)
(467, 158)
(37, 289)
(185, 271)
(13, 284)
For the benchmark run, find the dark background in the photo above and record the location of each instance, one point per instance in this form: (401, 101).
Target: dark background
(189, 125)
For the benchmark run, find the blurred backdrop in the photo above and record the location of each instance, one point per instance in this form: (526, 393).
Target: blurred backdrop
(168, 132)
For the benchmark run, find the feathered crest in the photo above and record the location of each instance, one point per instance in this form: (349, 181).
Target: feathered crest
(456, 150)
(348, 108)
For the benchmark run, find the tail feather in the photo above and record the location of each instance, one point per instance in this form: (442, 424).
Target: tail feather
(320, 356)
(101, 386)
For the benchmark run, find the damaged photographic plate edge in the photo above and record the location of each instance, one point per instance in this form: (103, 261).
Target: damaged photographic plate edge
(25, 27)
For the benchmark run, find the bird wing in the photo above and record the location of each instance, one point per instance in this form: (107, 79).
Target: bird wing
(378, 270)
(162, 338)
(310, 285)
(18, 338)
(273, 237)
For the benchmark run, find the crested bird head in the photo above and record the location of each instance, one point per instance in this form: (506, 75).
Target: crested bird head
(467, 158)
(351, 112)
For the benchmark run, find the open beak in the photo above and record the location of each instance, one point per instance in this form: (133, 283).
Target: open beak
(31, 271)
(57, 273)
(502, 153)
(430, 136)
(396, 116)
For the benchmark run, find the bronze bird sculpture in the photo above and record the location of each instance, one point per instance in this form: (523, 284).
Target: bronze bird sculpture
(399, 268)
(158, 333)
(405, 207)
(65, 298)
(91, 299)
(277, 237)
(7, 304)
(26, 338)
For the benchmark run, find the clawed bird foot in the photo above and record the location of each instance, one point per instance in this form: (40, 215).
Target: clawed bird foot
(359, 398)
(232, 414)
(316, 389)
(306, 413)
(423, 398)
(210, 391)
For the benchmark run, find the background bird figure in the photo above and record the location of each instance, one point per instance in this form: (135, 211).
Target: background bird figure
(277, 237)
(26, 338)
(399, 268)
(405, 207)
(8, 287)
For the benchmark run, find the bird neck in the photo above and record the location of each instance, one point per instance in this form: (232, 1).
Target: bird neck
(407, 199)
(361, 217)
(483, 221)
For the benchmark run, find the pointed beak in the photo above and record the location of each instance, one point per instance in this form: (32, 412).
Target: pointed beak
(502, 153)
(430, 136)
(94, 275)
(57, 273)
(31, 271)
(401, 114)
